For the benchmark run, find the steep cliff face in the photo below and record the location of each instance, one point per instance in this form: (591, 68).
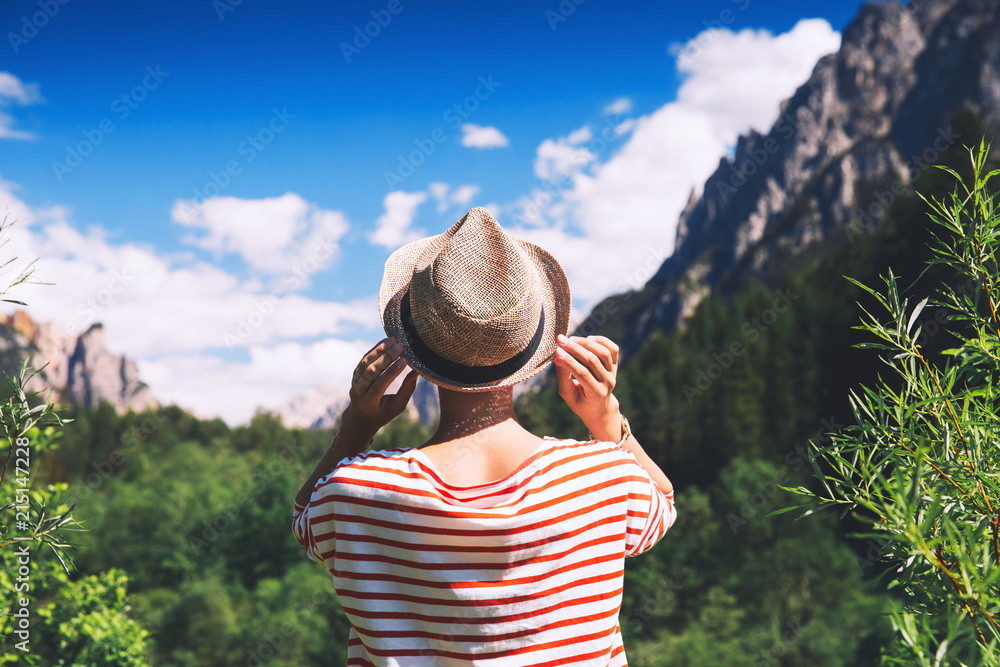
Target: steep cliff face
(870, 119)
(95, 375)
(79, 369)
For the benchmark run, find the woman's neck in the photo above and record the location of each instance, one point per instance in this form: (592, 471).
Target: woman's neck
(465, 413)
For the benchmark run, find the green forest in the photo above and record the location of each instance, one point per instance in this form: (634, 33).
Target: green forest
(184, 553)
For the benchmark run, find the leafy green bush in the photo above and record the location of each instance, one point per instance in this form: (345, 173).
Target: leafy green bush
(50, 620)
(920, 464)
(88, 624)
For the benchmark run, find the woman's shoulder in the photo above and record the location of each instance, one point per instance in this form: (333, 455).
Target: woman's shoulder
(404, 458)
(606, 451)
(570, 449)
(590, 445)
(372, 460)
(376, 456)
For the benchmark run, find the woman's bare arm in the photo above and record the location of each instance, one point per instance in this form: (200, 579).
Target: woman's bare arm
(587, 369)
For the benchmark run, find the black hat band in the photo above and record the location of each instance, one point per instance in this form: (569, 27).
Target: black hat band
(452, 370)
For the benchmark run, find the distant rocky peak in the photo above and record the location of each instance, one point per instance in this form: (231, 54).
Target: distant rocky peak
(869, 118)
(79, 368)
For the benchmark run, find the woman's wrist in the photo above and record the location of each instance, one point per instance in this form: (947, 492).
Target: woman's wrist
(354, 433)
(608, 428)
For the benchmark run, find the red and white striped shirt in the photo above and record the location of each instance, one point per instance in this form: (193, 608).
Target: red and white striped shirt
(526, 570)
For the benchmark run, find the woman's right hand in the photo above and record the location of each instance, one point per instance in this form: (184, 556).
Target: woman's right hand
(587, 369)
(371, 408)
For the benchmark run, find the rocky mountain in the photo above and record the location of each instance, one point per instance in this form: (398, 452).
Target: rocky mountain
(78, 369)
(313, 408)
(424, 405)
(870, 118)
(321, 407)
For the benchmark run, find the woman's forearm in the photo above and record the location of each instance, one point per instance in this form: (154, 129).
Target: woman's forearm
(344, 445)
(660, 479)
(609, 428)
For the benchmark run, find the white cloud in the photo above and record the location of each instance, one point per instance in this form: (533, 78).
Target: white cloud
(183, 320)
(494, 208)
(440, 192)
(393, 228)
(561, 156)
(271, 235)
(12, 88)
(774, 66)
(625, 126)
(621, 213)
(15, 91)
(579, 136)
(461, 195)
(268, 379)
(477, 136)
(619, 106)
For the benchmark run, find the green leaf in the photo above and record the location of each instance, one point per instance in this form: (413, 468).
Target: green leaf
(916, 313)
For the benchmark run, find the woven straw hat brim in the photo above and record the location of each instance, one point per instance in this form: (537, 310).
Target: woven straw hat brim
(554, 294)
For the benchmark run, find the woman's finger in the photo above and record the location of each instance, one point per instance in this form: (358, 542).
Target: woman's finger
(602, 353)
(372, 354)
(391, 372)
(569, 387)
(372, 351)
(608, 343)
(397, 402)
(373, 365)
(375, 368)
(588, 359)
(591, 386)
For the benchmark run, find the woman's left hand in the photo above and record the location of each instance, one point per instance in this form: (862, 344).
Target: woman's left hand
(370, 409)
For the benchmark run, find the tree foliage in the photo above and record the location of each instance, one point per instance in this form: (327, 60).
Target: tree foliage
(919, 465)
(198, 514)
(48, 619)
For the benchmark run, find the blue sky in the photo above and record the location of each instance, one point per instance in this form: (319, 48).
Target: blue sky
(616, 109)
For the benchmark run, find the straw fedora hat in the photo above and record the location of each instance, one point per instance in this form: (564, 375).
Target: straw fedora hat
(474, 308)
